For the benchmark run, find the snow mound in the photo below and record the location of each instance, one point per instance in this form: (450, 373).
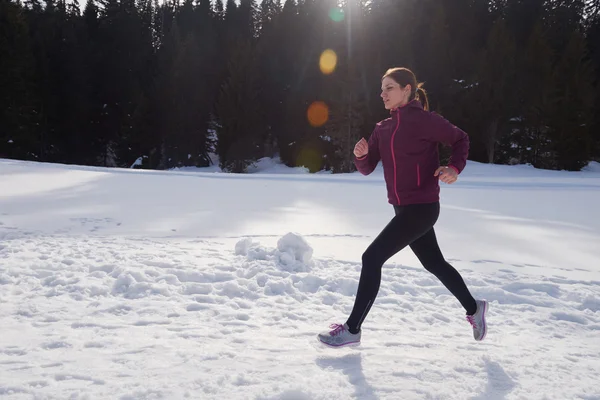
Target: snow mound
(268, 165)
(243, 246)
(133, 285)
(593, 166)
(293, 253)
(265, 165)
(252, 250)
(294, 248)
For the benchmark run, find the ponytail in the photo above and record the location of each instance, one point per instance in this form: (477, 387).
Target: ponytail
(421, 95)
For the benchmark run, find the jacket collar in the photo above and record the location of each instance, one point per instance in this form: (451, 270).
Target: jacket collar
(411, 104)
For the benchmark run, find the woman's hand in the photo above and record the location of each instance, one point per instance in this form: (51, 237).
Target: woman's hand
(446, 174)
(361, 148)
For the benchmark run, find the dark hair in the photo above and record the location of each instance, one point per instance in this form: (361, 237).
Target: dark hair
(403, 77)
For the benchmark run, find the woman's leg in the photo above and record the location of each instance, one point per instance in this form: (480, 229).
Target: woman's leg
(410, 223)
(428, 252)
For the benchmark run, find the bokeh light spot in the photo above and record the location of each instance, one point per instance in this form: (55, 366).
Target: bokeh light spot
(336, 14)
(310, 158)
(328, 61)
(318, 113)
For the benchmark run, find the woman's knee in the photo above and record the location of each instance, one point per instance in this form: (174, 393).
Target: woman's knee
(371, 259)
(430, 266)
(435, 265)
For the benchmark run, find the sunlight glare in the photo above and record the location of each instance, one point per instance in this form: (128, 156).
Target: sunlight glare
(328, 61)
(336, 14)
(318, 113)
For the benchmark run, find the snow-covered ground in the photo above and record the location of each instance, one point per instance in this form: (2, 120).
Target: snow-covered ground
(129, 284)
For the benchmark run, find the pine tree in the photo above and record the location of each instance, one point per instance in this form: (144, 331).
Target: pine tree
(572, 117)
(122, 74)
(70, 144)
(345, 92)
(537, 91)
(593, 42)
(219, 9)
(271, 72)
(522, 17)
(188, 128)
(247, 19)
(230, 17)
(269, 10)
(286, 102)
(87, 144)
(563, 17)
(238, 112)
(346, 122)
(436, 61)
(592, 8)
(493, 91)
(18, 117)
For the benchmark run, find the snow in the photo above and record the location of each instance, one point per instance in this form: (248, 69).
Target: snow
(193, 283)
(138, 162)
(263, 165)
(592, 167)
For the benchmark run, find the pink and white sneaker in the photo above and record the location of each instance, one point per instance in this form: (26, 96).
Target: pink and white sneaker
(477, 320)
(339, 336)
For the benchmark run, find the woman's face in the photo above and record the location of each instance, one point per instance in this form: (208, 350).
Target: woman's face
(392, 94)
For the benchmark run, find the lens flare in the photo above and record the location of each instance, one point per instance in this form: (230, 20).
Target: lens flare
(336, 14)
(318, 113)
(328, 61)
(309, 158)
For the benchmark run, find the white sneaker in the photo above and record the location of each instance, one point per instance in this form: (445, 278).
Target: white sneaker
(477, 320)
(339, 336)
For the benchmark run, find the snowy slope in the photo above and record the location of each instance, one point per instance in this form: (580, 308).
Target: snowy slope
(128, 284)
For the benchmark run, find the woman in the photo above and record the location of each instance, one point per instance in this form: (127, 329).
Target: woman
(407, 146)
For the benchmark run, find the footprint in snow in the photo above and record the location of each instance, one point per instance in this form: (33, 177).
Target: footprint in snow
(13, 351)
(569, 317)
(94, 345)
(55, 345)
(66, 377)
(38, 384)
(58, 364)
(486, 262)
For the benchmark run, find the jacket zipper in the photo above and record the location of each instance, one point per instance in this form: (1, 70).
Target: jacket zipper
(394, 159)
(418, 175)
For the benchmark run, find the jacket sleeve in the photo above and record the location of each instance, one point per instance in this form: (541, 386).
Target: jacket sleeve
(440, 130)
(367, 164)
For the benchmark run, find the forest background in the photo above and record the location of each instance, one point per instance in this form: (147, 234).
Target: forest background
(170, 84)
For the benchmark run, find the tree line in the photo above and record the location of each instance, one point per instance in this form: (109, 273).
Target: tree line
(163, 85)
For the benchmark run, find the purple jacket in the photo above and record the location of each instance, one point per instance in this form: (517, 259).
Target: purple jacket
(407, 145)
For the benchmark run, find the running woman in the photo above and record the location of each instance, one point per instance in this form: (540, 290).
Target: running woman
(407, 146)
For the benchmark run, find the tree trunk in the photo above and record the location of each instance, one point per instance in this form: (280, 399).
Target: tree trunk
(492, 133)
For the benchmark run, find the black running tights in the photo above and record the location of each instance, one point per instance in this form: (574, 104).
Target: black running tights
(411, 226)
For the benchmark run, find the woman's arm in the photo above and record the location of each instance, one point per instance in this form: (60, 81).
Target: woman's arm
(442, 131)
(367, 163)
